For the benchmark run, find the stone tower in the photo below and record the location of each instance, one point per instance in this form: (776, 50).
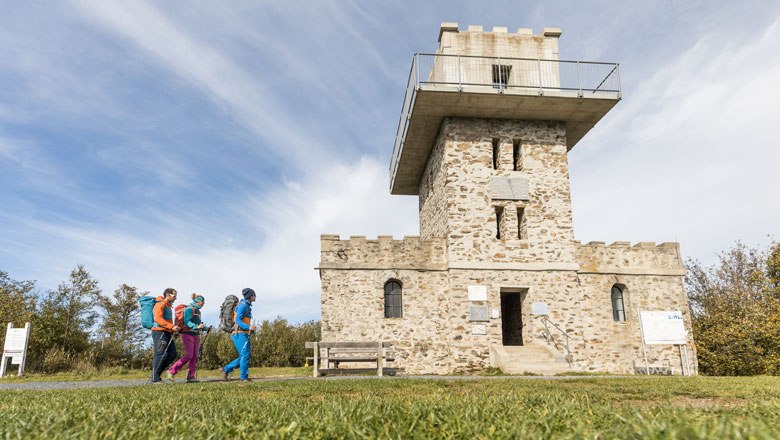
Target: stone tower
(496, 276)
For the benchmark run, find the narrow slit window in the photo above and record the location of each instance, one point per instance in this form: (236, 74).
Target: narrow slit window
(517, 159)
(499, 221)
(618, 310)
(393, 300)
(521, 231)
(495, 153)
(500, 76)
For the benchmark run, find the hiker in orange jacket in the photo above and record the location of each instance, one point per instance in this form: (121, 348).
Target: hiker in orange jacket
(162, 334)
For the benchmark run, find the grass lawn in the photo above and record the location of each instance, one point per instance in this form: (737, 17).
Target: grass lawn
(625, 408)
(121, 374)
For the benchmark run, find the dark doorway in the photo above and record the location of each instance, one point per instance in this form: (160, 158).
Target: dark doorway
(512, 318)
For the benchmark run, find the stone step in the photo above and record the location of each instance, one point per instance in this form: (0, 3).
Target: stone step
(545, 369)
(528, 360)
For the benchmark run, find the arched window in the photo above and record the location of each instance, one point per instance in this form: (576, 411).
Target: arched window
(618, 310)
(393, 300)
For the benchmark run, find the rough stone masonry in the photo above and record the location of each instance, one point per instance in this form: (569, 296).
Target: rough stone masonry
(496, 262)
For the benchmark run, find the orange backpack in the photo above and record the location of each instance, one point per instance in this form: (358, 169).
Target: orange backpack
(179, 314)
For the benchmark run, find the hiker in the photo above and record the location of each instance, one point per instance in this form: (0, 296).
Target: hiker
(242, 318)
(162, 333)
(191, 327)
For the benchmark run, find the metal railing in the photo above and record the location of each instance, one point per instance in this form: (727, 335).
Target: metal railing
(551, 339)
(500, 75)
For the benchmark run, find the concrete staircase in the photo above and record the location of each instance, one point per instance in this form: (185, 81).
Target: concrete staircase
(527, 359)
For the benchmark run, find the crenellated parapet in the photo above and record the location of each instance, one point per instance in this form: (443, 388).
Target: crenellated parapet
(620, 257)
(384, 252)
(499, 41)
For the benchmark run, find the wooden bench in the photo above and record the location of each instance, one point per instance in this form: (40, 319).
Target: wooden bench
(336, 353)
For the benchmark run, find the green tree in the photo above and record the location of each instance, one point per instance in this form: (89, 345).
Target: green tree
(17, 303)
(278, 343)
(121, 334)
(63, 326)
(736, 312)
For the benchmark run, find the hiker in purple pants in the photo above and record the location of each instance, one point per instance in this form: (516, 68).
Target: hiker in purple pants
(190, 327)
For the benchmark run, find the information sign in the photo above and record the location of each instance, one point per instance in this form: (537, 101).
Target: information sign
(663, 327)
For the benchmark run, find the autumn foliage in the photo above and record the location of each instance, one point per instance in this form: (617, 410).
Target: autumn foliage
(736, 312)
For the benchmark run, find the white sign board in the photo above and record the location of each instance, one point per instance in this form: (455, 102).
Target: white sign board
(663, 327)
(15, 339)
(477, 293)
(539, 309)
(478, 329)
(15, 347)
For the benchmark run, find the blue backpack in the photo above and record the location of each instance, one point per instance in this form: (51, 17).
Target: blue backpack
(147, 311)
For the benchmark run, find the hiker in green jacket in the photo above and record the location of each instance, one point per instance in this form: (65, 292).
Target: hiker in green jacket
(191, 327)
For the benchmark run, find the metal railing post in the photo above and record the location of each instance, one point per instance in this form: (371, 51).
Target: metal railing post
(500, 72)
(539, 64)
(579, 81)
(617, 72)
(417, 68)
(460, 81)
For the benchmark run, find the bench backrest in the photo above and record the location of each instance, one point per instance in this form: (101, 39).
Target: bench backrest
(363, 345)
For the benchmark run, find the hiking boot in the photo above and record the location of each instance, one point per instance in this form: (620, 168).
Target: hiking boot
(191, 380)
(224, 375)
(169, 376)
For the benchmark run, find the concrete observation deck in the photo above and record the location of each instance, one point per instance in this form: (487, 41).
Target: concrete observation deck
(578, 93)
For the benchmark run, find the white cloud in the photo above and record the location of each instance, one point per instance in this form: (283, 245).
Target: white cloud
(689, 155)
(345, 198)
(249, 101)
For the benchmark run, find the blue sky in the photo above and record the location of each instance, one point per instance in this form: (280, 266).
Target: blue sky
(206, 145)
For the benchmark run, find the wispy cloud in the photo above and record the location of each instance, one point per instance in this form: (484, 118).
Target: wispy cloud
(342, 198)
(689, 147)
(249, 99)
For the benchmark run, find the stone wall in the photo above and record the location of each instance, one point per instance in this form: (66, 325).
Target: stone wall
(559, 289)
(353, 274)
(353, 310)
(467, 149)
(651, 278)
(383, 253)
(433, 195)
(621, 257)
(617, 346)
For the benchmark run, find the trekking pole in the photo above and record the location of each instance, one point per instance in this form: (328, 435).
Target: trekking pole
(200, 348)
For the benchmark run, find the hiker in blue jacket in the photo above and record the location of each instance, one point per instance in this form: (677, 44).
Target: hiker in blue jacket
(242, 318)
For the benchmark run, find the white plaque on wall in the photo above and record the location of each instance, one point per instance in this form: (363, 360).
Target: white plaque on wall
(477, 293)
(539, 309)
(478, 312)
(478, 329)
(494, 314)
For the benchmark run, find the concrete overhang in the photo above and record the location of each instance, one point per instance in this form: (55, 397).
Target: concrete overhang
(432, 103)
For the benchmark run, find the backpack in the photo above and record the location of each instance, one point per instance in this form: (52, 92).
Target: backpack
(147, 311)
(179, 317)
(226, 323)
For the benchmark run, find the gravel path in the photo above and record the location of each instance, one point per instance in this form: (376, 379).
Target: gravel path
(141, 382)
